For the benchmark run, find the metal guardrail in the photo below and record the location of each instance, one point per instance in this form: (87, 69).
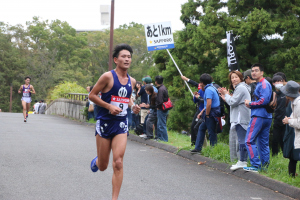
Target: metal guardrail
(76, 96)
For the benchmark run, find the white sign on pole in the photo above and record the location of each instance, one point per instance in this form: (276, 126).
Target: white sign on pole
(159, 36)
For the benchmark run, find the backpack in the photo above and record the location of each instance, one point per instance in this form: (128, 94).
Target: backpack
(139, 129)
(270, 107)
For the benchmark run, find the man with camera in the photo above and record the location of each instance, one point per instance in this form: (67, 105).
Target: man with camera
(211, 110)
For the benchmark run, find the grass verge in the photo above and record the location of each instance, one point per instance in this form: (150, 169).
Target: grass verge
(278, 168)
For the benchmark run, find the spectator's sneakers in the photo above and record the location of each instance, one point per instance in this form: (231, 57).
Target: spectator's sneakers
(94, 167)
(239, 165)
(148, 138)
(251, 169)
(194, 151)
(143, 135)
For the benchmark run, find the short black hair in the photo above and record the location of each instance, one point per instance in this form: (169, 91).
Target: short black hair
(27, 77)
(91, 88)
(159, 79)
(261, 68)
(205, 79)
(121, 47)
(281, 74)
(277, 78)
(269, 79)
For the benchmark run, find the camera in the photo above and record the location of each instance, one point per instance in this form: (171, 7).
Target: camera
(198, 123)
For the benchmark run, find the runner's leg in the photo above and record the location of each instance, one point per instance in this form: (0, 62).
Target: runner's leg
(24, 108)
(118, 146)
(27, 107)
(103, 152)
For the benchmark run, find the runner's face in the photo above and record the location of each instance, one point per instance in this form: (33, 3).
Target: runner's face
(123, 60)
(27, 81)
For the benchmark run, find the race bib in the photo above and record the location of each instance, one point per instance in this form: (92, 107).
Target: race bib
(26, 93)
(121, 102)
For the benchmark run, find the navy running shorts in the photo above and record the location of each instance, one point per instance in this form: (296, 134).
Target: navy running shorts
(110, 128)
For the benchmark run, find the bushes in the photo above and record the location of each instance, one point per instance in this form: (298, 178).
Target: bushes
(63, 88)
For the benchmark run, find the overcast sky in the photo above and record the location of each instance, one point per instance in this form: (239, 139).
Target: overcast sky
(86, 14)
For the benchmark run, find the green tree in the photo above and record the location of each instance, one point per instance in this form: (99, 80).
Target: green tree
(63, 88)
(132, 34)
(12, 67)
(266, 32)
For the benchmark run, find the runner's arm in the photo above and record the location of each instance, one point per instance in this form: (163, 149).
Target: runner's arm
(32, 89)
(20, 89)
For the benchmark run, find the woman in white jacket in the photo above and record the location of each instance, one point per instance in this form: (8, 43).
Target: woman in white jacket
(291, 90)
(239, 116)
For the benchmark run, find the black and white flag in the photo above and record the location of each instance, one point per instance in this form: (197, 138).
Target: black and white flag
(231, 53)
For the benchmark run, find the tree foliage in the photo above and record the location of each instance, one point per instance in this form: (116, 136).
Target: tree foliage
(52, 53)
(64, 88)
(266, 32)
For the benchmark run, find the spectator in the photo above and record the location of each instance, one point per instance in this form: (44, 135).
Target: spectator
(147, 81)
(208, 114)
(239, 116)
(152, 116)
(282, 75)
(144, 101)
(249, 81)
(36, 107)
(257, 137)
(198, 99)
(279, 113)
(291, 147)
(42, 107)
(137, 100)
(162, 96)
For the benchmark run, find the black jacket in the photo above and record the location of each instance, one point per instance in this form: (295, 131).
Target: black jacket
(162, 96)
(280, 109)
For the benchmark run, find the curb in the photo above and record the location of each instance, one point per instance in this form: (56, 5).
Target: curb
(264, 181)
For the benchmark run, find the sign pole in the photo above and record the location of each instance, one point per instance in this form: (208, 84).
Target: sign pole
(111, 40)
(179, 71)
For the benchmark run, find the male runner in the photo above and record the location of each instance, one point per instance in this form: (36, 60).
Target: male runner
(111, 127)
(26, 89)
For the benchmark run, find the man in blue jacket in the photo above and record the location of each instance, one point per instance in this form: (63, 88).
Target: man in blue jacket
(257, 137)
(211, 110)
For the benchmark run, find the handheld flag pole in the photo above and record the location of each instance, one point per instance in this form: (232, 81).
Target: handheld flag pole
(179, 71)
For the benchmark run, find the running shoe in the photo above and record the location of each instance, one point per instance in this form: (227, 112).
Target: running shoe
(239, 165)
(25, 120)
(251, 169)
(26, 114)
(94, 167)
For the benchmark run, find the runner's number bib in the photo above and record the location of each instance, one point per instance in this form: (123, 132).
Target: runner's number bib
(121, 102)
(26, 93)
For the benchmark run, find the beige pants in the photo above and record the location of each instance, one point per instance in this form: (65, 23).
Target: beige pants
(144, 113)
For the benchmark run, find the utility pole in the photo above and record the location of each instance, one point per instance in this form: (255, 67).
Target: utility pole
(10, 102)
(111, 35)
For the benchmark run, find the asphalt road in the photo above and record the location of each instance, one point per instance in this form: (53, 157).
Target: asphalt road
(48, 158)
